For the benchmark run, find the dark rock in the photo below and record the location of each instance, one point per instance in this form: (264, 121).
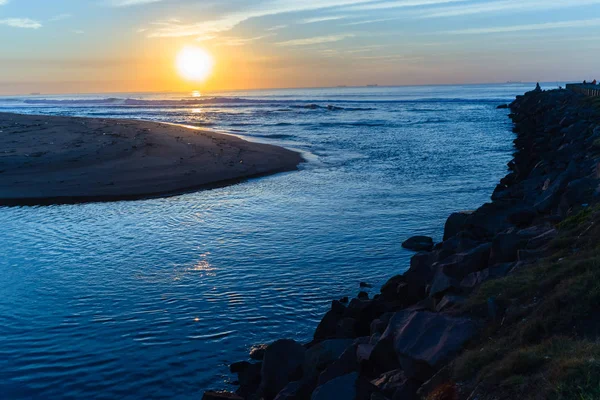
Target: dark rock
(449, 301)
(345, 364)
(477, 278)
(390, 381)
(294, 391)
(363, 295)
(442, 283)
(423, 342)
(389, 289)
(505, 247)
(347, 387)
(365, 285)
(258, 352)
(283, 363)
(363, 352)
(344, 300)
(211, 395)
(321, 355)
(502, 106)
(249, 377)
(329, 324)
(346, 328)
(455, 223)
(443, 376)
(523, 217)
(462, 264)
(542, 240)
(419, 243)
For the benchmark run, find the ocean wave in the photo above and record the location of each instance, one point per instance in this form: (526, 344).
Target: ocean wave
(115, 101)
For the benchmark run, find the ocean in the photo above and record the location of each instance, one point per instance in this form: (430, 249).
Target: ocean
(154, 298)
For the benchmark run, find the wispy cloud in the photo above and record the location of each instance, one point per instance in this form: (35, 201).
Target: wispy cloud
(322, 19)
(21, 23)
(530, 27)
(400, 4)
(505, 6)
(60, 17)
(277, 27)
(126, 3)
(260, 9)
(236, 41)
(315, 40)
(2, 2)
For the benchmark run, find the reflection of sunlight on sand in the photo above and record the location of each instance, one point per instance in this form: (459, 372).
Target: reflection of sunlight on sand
(196, 93)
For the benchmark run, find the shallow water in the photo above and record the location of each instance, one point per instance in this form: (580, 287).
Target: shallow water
(154, 298)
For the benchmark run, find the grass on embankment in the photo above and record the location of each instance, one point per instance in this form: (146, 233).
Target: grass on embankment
(546, 344)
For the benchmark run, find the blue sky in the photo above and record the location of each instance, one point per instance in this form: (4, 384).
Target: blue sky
(130, 45)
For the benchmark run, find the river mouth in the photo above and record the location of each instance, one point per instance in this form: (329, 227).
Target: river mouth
(157, 297)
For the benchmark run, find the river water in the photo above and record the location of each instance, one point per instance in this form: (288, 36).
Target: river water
(153, 299)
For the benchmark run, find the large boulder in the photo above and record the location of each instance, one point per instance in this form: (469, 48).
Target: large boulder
(347, 387)
(418, 243)
(248, 377)
(424, 341)
(345, 364)
(321, 355)
(282, 363)
(455, 223)
(505, 247)
(328, 326)
(460, 265)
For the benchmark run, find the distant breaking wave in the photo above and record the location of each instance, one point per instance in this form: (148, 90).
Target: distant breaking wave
(314, 104)
(114, 101)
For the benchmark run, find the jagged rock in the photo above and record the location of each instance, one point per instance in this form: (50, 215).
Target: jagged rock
(211, 395)
(418, 243)
(449, 301)
(258, 352)
(442, 283)
(329, 324)
(293, 391)
(505, 247)
(363, 295)
(477, 278)
(502, 106)
(347, 387)
(249, 376)
(363, 352)
(321, 355)
(460, 265)
(390, 381)
(346, 328)
(345, 364)
(542, 240)
(283, 363)
(424, 341)
(523, 217)
(389, 289)
(455, 223)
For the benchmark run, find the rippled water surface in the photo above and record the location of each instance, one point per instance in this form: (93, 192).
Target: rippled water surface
(153, 299)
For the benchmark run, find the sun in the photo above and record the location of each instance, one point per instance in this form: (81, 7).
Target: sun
(194, 63)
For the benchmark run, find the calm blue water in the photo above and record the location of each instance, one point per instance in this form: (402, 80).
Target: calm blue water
(152, 299)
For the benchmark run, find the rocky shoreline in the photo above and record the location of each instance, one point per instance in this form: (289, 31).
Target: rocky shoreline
(416, 339)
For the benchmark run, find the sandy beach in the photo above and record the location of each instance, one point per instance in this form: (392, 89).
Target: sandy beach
(53, 160)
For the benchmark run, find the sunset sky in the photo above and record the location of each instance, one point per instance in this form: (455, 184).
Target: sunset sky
(68, 46)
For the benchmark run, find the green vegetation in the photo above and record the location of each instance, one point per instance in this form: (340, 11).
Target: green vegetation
(545, 344)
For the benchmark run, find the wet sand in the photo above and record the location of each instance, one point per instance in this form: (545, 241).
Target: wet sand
(56, 160)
